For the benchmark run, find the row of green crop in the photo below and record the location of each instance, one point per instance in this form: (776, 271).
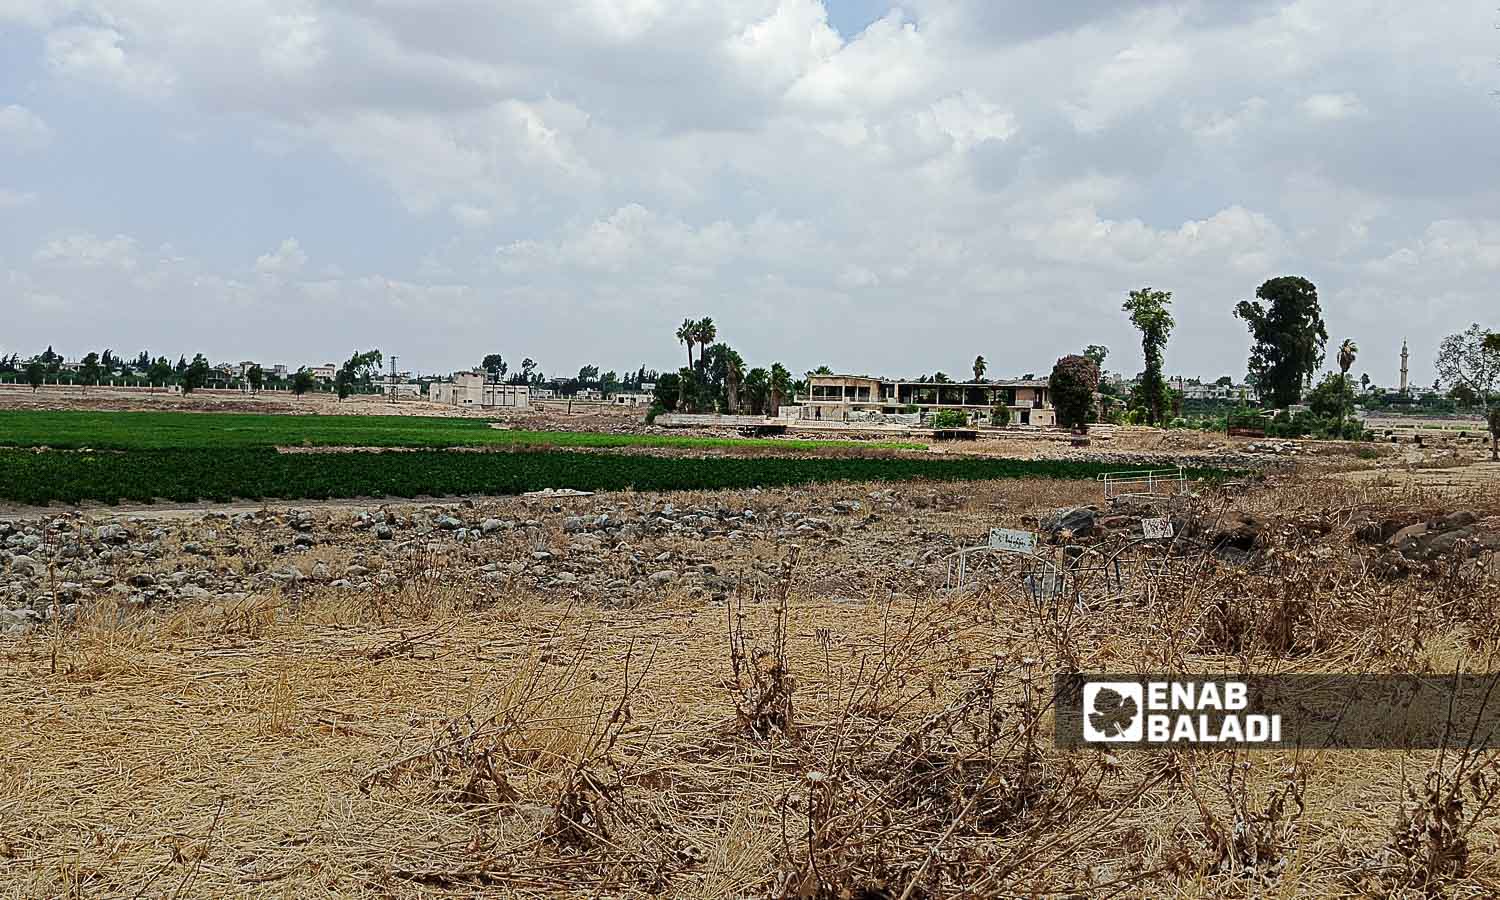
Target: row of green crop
(44, 476)
(167, 430)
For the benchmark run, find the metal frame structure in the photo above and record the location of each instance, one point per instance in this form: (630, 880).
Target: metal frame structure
(1144, 484)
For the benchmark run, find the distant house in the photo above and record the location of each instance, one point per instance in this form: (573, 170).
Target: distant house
(472, 388)
(833, 397)
(631, 399)
(325, 372)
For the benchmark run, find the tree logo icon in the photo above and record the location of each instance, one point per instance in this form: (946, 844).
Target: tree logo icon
(1112, 711)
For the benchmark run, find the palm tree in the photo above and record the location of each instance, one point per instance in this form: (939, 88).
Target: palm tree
(687, 333)
(980, 367)
(706, 332)
(1347, 351)
(733, 374)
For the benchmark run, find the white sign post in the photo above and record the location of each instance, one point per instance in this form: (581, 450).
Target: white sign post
(1157, 529)
(1012, 540)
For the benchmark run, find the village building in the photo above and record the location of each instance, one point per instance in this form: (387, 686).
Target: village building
(840, 397)
(474, 389)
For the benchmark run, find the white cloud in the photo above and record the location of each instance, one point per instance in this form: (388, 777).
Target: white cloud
(286, 260)
(22, 130)
(470, 216)
(101, 55)
(85, 250)
(1333, 106)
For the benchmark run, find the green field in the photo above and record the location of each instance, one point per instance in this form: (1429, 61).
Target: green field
(43, 476)
(179, 430)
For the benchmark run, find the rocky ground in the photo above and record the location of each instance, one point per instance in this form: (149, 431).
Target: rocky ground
(620, 550)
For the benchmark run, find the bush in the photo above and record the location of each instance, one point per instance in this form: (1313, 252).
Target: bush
(1072, 384)
(950, 418)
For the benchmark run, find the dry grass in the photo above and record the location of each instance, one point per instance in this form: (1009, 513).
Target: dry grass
(430, 740)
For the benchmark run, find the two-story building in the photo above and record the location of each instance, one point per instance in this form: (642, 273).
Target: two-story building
(834, 397)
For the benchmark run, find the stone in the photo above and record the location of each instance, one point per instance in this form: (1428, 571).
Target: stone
(111, 534)
(24, 564)
(303, 540)
(447, 523)
(356, 571)
(664, 577)
(141, 580)
(384, 532)
(1079, 521)
(490, 526)
(195, 548)
(574, 524)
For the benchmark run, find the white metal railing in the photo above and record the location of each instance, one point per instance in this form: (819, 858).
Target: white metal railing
(1144, 483)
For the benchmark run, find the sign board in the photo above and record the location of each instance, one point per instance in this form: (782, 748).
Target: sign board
(1012, 540)
(1158, 529)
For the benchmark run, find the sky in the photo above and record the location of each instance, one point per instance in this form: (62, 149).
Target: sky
(882, 189)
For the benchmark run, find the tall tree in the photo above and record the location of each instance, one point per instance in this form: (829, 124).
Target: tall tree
(257, 377)
(494, 366)
(303, 381)
(980, 367)
(1347, 352)
(195, 374)
(687, 333)
(734, 375)
(89, 368)
(757, 390)
(1286, 326)
(1151, 314)
(781, 388)
(1098, 353)
(706, 332)
(1471, 358)
(36, 371)
(1072, 384)
(159, 371)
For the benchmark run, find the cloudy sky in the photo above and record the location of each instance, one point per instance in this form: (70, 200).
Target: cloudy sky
(885, 189)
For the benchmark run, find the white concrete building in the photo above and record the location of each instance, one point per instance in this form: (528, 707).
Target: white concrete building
(473, 389)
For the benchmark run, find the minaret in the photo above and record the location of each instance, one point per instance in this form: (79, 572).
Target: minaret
(1403, 368)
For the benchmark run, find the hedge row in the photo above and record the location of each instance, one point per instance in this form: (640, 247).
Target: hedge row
(185, 475)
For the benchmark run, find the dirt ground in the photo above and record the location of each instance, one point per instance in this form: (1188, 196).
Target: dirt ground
(633, 694)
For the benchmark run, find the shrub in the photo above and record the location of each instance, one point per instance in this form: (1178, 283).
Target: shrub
(950, 418)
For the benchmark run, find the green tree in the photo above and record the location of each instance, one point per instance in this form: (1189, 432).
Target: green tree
(667, 391)
(1471, 358)
(687, 333)
(705, 331)
(781, 388)
(1330, 398)
(303, 381)
(757, 390)
(1288, 334)
(36, 371)
(52, 362)
(494, 365)
(980, 367)
(528, 365)
(1150, 313)
(1224, 381)
(159, 371)
(1072, 384)
(1000, 415)
(1347, 352)
(1098, 353)
(89, 368)
(195, 374)
(257, 378)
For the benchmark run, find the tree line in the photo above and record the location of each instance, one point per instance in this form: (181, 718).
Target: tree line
(356, 374)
